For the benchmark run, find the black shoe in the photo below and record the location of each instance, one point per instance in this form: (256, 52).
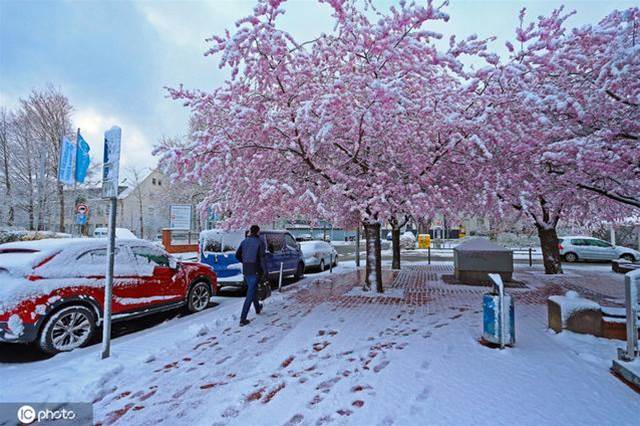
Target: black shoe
(244, 322)
(260, 306)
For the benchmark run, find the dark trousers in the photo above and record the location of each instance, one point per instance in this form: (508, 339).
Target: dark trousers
(252, 295)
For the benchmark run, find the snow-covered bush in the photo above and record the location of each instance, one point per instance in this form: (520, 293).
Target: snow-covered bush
(8, 235)
(407, 241)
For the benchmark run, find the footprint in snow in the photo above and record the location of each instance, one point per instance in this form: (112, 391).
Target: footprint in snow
(380, 366)
(424, 394)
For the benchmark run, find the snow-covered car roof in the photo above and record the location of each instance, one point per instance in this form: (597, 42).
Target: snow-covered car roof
(120, 233)
(582, 237)
(22, 256)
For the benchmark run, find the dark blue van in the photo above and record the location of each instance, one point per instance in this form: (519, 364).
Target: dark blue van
(218, 248)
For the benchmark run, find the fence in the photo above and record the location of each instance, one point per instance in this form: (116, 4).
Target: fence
(179, 241)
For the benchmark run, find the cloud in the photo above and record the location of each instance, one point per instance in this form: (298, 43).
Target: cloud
(190, 26)
(136, 147)
(8, 101)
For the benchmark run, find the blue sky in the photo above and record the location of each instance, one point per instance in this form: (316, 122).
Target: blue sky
(114, 58)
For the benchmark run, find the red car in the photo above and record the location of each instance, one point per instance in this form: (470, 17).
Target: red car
(52, 291)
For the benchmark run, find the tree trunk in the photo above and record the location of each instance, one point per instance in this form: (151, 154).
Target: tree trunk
(374, 256)
(395, 241)
(367, 264)
(550, 250)
(62, 212)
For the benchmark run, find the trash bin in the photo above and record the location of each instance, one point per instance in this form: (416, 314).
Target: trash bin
(491, 319)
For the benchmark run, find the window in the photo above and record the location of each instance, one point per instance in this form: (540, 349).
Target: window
(599, 243)
(579, 242)
(275, 241)
(150, 256)
(153, 181)
(94, 263)
(159, 182)
(94, 257)
(291, 243)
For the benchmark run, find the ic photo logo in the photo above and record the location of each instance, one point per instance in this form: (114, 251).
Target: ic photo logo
(26, 414)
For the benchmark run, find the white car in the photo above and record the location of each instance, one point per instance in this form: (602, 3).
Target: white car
(318, 254)
(575, 248)
(122, 233)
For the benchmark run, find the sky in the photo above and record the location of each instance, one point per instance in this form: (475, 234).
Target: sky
(114, 59)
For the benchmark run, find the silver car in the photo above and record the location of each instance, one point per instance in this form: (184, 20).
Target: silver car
(573, 249)
(318, 254)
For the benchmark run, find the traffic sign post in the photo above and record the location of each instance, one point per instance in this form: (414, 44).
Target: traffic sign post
(110, 176)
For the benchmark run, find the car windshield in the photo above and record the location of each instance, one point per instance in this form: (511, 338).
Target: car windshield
(220, 242)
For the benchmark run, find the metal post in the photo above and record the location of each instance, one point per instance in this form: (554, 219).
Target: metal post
(280, 278)
(530, 256)
(429, 254)
(612, 231)
(631, 300)
(108, 290)
(358, 246)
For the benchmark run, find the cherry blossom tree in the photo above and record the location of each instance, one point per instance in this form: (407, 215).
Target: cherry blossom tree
(562, 117)
(361, 124)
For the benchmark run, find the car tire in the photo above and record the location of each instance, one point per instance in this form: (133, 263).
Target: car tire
(299, 271)
(628, 257)
(69, 328)
(198, 297)
(322, 266)
(571, 257)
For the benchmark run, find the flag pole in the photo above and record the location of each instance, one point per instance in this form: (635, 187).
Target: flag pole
(74, 225)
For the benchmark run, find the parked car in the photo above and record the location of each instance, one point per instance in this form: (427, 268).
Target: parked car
(218, 248)
(52, 291)
(573, 249)
(318, 255)
(123, 233)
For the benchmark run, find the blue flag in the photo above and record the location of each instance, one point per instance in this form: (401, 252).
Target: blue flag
(65, 165)
(82, 158)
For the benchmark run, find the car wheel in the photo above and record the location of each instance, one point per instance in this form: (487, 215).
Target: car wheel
(322, 267)
(198, 297)
(628, 257)
(571, 257)
(299, 271)
(67, 329)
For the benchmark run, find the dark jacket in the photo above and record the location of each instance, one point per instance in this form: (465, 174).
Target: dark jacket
(251, 254)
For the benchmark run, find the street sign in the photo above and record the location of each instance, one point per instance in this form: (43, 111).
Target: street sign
(81, 219)
(82, 209)
(181, 216)
(111, 162)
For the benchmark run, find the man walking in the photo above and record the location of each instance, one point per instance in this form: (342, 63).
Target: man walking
(254, 268)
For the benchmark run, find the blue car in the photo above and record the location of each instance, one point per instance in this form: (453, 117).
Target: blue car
(218, 248)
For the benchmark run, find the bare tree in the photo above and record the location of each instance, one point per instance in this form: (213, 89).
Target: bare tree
(136, 177)
(6, 122)
(48, 115)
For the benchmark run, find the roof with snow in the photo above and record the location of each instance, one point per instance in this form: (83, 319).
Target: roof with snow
(480, 244)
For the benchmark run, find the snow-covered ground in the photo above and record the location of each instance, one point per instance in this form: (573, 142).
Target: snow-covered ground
(324, 353)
